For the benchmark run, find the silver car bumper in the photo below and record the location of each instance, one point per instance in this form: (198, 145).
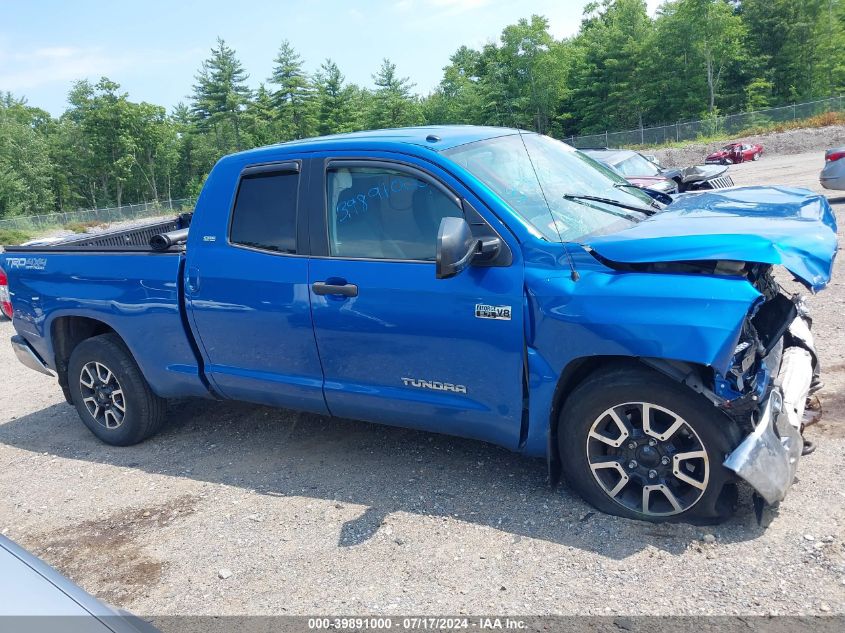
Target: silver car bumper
(28, 357)
(768, 458)
(833, 175)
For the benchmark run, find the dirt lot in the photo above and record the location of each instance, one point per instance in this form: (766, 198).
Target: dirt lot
(314, 515)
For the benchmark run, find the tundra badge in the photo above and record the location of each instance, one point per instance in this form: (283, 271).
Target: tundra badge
(436, 385)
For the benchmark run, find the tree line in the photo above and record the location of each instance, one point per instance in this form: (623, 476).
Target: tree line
(623, 69)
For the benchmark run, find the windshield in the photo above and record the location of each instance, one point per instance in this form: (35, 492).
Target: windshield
(504, 165)
(635, 166)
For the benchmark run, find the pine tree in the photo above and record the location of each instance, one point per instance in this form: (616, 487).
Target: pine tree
(393, 103)
(220, 95)
(260, 118)
(334, 112)
(294, 98)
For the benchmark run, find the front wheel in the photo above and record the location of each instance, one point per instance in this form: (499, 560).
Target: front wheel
(111, 394)
(636, 444)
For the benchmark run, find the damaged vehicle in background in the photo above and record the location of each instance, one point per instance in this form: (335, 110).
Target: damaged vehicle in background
(735, 153)
(474, 281)
(644, 172)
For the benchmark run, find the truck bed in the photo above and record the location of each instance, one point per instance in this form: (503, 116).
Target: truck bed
(136, 238)
(118, 280)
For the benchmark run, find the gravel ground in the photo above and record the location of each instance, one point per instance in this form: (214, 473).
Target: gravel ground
(303, 514)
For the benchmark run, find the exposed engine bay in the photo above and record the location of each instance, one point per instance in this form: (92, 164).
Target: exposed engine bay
(773, 372)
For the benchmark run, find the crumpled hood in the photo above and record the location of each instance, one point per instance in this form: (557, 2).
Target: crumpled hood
(792, 227)
(698, 173)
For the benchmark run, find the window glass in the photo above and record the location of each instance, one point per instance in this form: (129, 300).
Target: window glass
(265, 212)
(636, 165)
(533, 173)
(381, 213)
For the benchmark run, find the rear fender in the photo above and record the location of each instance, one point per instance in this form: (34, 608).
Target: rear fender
(135, 296)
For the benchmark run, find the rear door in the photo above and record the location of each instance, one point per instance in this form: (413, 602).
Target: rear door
(248, 297)
(397, 345)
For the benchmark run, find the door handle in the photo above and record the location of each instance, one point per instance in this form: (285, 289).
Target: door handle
(344, 290)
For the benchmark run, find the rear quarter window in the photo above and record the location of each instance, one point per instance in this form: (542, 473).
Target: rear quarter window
(264, 215)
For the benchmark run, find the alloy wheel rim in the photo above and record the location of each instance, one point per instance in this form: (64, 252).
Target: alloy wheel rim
(648, 459)
(102, 395)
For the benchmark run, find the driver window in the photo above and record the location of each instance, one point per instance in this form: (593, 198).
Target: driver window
(377, 213)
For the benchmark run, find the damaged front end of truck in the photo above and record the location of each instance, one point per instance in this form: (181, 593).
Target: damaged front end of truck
(777, 358)
(765, 378)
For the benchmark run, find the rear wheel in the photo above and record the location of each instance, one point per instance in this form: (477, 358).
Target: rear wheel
(637, 444)
(110, 394)
(756, 156)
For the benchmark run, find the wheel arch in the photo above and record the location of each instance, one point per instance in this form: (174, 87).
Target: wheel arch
(66, 332)
(580, 369)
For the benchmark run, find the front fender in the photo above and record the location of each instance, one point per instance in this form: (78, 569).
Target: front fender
(692, 318)
(683, 317)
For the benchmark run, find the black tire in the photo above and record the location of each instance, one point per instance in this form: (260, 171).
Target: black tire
(756, 156)
(711, 429)
(144, 412)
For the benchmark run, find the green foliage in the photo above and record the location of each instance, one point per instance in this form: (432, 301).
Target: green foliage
(393, 105)
(611, 86)
(293, 100)
(25, 165)
(624, 69)
(220, 96)
(10, 237)
(799, 45)
(335, 101)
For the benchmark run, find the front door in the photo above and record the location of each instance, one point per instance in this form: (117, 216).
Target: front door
(248, 298)
(397, 345)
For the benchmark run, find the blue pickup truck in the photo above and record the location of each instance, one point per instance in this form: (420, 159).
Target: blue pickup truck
(481, 282)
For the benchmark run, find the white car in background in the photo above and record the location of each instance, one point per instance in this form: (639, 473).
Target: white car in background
(833, 173)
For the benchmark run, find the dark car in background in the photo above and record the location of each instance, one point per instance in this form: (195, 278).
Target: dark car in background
(636, 169)
(645, 172)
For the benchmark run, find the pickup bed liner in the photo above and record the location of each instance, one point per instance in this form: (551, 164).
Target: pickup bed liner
(132, 239)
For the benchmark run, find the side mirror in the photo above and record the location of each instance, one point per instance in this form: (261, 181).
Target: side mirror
(455, 247)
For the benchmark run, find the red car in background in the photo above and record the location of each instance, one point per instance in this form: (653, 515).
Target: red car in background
(735, 153)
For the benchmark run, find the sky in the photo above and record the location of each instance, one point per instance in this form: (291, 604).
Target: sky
(153, 48)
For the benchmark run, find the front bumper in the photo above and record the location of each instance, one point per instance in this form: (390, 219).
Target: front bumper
(768, 458)
(28, 357)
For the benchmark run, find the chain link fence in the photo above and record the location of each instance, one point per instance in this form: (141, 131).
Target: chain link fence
(78, 220)
(691, 130)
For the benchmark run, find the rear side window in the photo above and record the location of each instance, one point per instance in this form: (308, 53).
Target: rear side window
(379, 213)
(265, 212)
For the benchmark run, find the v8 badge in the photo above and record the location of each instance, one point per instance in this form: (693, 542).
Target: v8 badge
(484, 311)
